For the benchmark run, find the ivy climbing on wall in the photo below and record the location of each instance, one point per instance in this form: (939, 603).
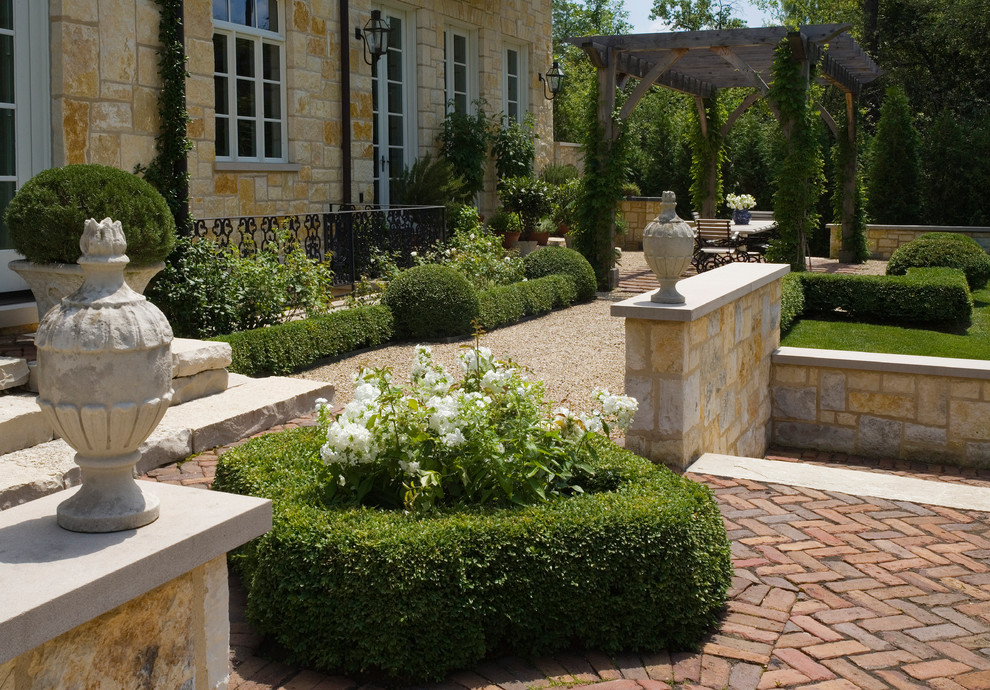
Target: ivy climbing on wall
(800, 176)
(167, 172)
(707, 155)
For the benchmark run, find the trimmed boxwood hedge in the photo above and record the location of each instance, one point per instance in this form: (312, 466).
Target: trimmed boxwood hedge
(641, 562)
(560, 260)
(286, 347)
(924, 252)
(930, 295)
(791, 301)
(431, 301)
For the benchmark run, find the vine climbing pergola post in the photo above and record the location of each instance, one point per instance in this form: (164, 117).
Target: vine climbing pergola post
(698, 63)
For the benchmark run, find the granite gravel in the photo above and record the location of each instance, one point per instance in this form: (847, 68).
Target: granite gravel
(573, 351)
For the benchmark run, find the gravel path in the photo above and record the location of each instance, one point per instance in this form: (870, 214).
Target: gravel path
(573, 351)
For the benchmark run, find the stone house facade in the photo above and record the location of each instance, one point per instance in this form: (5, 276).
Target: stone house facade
(267, 93)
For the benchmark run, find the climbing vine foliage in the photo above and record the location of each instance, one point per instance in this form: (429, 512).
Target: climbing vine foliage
(167, 171)
(707, 153)
(853, 242)
(605, 168)
(800, 177)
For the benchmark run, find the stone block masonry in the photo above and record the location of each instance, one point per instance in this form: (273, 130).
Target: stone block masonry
(881, 405)
(143, 607)
(883, 240)
(701, 371)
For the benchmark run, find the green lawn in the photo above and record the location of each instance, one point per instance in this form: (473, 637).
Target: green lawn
(972, 342)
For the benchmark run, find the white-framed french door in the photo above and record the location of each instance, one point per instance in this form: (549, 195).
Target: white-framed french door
(25, 120)
(393, 86)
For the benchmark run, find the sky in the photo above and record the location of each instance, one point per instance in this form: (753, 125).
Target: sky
(639, 16)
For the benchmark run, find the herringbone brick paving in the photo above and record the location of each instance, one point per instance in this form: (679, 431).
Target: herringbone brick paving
(830, 591)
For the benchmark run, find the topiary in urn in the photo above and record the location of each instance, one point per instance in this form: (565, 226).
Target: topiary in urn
(47, 215)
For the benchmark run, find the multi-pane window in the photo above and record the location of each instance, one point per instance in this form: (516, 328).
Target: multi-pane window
(460, 66)
(391, 93)
(514, 101)
(8, 151)
(249, 80)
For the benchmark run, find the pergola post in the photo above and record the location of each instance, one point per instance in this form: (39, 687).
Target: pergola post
(847, 251)
(711, 172)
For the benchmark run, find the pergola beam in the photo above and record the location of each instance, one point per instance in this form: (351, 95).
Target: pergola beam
(737, 113)
(646, 83)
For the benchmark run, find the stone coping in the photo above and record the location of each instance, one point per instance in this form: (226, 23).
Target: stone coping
(875, 361)
(54, 580)
(852, 482)
(703, 293)
(923, 228)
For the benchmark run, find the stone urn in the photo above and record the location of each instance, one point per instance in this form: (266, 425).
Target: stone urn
(49, 283)
(104, 383)
(668, 245)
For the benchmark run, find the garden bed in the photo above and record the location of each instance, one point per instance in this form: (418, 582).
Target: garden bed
(639, 562)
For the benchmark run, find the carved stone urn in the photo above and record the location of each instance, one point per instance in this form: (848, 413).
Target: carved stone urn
(668, 245)
(104, 383)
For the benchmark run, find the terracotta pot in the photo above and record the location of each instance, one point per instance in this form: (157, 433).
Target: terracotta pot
(509, 239)
(540, 237)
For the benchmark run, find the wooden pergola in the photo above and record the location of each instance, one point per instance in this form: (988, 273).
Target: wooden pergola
(698, 63)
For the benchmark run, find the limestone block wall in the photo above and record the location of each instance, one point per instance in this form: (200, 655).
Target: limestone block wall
(150, 641)
(104, 81)
(638, 211)
(914, 408)
(566, 153)
(105, 85)
(882, 240)
(701, 371)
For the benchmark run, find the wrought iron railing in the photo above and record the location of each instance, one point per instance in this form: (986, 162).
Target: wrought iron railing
(346, 238)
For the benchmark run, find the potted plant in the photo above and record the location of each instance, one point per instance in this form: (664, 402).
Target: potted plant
(740, 205)
(47, 216)
(544, 229)
(530, 198)
(506, 224)
(564, 200)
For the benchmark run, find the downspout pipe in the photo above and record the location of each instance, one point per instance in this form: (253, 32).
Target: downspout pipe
(345, 104)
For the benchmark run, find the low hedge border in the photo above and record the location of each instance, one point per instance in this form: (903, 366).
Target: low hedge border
(507, 304)
(791, 301)
(923, 295)
(286, 347)
(641, 562)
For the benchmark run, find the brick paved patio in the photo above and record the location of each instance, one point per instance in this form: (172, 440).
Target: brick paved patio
(830, 591)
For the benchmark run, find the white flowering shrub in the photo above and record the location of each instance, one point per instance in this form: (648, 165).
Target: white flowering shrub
(488, 439)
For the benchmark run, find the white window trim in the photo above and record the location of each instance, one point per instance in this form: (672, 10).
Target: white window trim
(523, 79)
(233, 31)
(472, 65)
(32, 111)
(410, 91)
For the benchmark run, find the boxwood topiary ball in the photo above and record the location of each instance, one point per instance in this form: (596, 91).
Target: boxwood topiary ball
(431, 301)
(47, 214)
(930, 252)
(555, 260)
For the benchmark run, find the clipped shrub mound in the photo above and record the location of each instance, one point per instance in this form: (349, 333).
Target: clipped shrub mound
(791, 301)
(931, 295)
(951, 236)
(47, 214)
(504, 305)
(284, 348)
(639, 562)
(559, 260)
(431, 301)
(968, 257)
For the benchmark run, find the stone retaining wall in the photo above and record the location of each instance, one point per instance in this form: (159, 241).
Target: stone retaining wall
(879, 405)
(882, 240)
(638, 212)
(701, 371)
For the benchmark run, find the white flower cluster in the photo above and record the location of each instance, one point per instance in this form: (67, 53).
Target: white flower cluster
(434, 429)
(740, 201)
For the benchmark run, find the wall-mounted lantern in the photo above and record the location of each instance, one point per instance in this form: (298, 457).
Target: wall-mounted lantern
(375, 37)
(552, 82)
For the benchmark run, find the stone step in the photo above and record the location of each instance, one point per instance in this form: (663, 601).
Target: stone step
(22, 423)
(245, 408)
(13, 372)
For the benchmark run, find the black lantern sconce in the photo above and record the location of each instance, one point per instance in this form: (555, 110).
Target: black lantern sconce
(375, 37)
(552, 82)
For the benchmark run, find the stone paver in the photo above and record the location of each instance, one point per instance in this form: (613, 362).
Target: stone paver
(830, 591)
